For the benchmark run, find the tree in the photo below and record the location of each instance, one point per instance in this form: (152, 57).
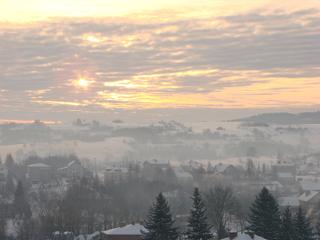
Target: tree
(2, 227)
(20, 203)
(198, 228)
(317, 228)
(303, 229)
(220, 203)
(287, 228)
(159, 223)
(264, 218)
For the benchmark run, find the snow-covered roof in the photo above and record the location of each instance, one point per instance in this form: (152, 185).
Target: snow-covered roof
(131, 229)
(310, 185)
(221, 167)
(285, 175)
(180, 173)
(244, 236)
(307, 196)
(117, 170)
(291, 201)
(39, 165)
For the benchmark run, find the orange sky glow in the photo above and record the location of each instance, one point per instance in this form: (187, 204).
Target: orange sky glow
(81, 55)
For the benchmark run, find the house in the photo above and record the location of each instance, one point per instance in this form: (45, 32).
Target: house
(3, 176)
(272, 186)
(155, 170)
(309, 198)
(289, 201)
(243, 236)
(115, 174)
(183, 176)
(74, 169)
(3, 172)
(39, 173)
(284, 172)
(228, 170)
(308, 185)
(128, 232)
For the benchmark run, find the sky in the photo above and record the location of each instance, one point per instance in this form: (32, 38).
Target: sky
(89, 57)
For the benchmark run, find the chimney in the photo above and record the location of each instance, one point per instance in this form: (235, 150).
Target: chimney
(232, 235)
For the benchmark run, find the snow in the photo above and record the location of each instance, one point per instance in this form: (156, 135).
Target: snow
(291, 201)
(243, 236)
(307, 196)
(310, 185)
(131, 229)
(39, 165)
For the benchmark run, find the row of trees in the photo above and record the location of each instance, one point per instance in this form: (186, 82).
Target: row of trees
(265, 220)
(160, 224)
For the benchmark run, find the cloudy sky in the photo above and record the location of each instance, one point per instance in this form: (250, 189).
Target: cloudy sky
(93, 56)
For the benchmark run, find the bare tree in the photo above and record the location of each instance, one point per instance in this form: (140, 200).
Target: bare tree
(221, 203)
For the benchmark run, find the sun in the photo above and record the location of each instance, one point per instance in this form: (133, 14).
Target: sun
(82, 83)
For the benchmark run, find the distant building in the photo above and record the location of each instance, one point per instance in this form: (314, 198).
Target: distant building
(228, 170)
(128, 232)
(155, 170)
(309, 198)
(115, 174)
(3, 172)
(183, 176)
(284, 172)
(74, 169)
(243, 236)
(39, 173)
(289, 201)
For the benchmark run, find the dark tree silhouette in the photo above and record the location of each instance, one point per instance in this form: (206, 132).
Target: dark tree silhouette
(159, 223)
(264, 218)
(198, 228)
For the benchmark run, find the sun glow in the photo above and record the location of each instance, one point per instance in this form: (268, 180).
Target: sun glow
(82, 83)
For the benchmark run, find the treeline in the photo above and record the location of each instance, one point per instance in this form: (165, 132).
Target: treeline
(265, 220)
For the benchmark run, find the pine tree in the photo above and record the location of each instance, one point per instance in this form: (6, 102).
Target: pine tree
(318, 229)
(198, 228)
(20, 203)
(265, 219)
(159, 224)
(303, 229)
(287, 228)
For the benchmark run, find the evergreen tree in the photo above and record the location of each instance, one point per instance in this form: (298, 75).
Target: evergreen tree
(20, 203)
(318, 230)
(264, 218)
(2, 227)
(198, 228)
(303, 229)
(159, 224)
(287, 228)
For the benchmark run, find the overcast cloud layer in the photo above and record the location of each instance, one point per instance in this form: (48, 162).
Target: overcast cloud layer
(254, 59)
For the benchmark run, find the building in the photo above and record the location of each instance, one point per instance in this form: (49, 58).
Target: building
(128, 232)
(284, 172)
(115, 174)
(39, 173)
(74, 169)
(309, 198)
(243, 236)
(289, 201)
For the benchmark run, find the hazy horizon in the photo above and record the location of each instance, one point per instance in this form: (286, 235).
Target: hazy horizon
(96, 58)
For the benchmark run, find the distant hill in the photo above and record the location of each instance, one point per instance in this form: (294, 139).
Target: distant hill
(283, 118)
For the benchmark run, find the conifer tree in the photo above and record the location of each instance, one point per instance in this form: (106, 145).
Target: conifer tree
(159, 223)
(303, 229)
(287, 228)
(264, 218)
(198, 228)
(20, 203)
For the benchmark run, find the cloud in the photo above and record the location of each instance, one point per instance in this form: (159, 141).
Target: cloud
(213, 60)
